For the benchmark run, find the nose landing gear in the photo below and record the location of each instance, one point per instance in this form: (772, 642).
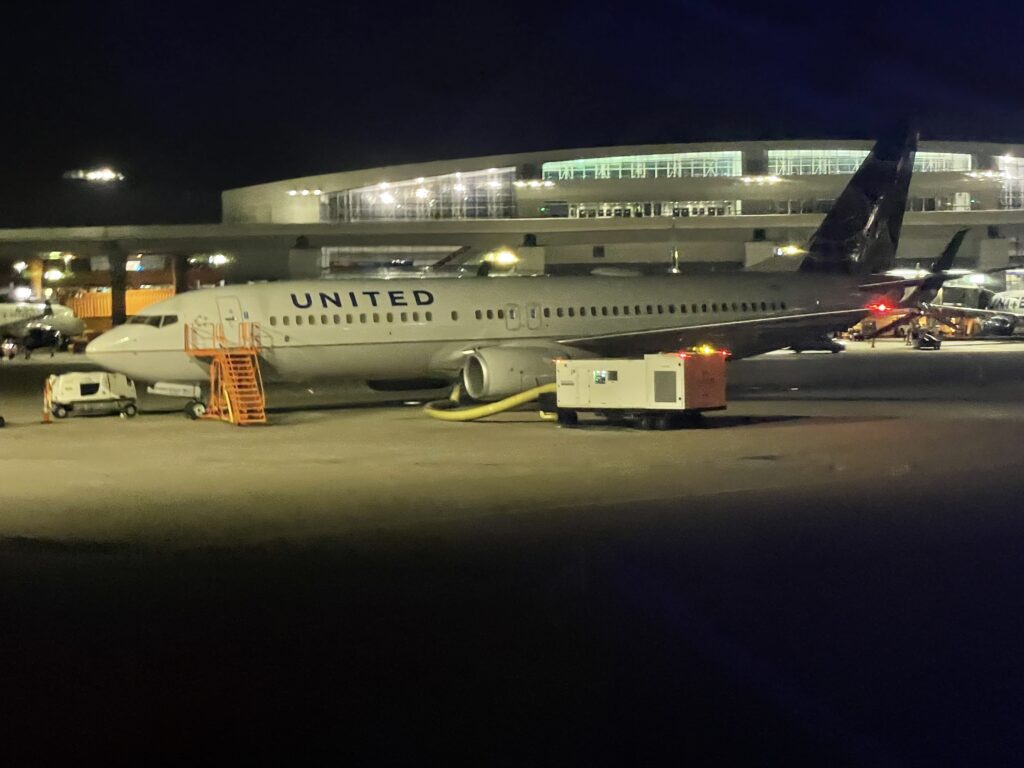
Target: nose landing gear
(194, 409)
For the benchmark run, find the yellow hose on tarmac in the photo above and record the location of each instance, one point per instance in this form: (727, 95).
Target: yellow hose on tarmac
(448, 410)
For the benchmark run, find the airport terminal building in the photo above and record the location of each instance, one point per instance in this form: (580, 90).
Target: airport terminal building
(721, 205)
(688, 207)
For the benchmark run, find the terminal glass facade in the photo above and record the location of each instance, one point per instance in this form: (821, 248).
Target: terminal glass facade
(604, 210)
(473, 195)
(1012, 171)
(676, 165)
(380, 260)
(938, 162)
(819, 162)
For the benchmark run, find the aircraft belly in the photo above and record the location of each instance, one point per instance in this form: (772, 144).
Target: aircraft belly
(154, 365)
(348, 361)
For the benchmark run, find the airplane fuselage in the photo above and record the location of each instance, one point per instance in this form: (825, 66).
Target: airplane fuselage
(1011, 302)
(379, 329)
(16, 318)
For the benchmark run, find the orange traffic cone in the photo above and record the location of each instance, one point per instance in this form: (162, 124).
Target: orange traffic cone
(47, 401)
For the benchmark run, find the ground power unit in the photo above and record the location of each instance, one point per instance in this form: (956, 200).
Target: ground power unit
(659, 391)
(91, 392)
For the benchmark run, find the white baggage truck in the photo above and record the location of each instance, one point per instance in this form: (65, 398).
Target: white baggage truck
(659, 391)
(90, 392)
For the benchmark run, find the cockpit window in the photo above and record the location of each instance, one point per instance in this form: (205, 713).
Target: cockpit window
(156, 321)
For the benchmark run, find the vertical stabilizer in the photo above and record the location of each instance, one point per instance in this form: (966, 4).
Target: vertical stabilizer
(860, 234)
(939, 270)
(946, 259)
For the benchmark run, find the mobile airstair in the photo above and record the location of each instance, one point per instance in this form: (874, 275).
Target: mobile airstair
(236, 385)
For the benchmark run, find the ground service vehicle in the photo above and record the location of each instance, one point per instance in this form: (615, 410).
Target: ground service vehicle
(91, 392)
(997, 326)
(927, 340)
(823, 344)
(658, 391)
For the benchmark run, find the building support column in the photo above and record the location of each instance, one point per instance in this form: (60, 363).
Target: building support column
(118, 283)
(35, 276)
(179, 272)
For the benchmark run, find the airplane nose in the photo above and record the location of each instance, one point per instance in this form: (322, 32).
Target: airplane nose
(108, 350)
(98, 350)
(95, 347)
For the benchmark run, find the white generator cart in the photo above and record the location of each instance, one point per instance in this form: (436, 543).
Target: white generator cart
(659, 391)
(88, 393)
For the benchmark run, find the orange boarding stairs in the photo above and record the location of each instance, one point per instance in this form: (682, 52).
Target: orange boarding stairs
(236, 385)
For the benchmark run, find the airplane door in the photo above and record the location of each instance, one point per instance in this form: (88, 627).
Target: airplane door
(533, 316)
(230, 317)
(513, 317)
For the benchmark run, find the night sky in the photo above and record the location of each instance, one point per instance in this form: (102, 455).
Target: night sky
(195, 96)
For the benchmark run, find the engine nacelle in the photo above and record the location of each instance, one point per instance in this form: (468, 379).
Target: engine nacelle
(495, 372)
(39, 336)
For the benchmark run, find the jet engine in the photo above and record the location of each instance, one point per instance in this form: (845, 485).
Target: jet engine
(495, 372)
(39, 336)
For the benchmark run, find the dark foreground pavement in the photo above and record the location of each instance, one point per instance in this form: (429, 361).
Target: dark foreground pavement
(870, 626)
(363, 587)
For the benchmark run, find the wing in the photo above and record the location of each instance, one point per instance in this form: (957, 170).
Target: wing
(742, 338)
(15, 328)
(951, 310)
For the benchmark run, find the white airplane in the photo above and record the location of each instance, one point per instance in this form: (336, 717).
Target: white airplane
(26, 325)
(1003, 316)
(500, 335)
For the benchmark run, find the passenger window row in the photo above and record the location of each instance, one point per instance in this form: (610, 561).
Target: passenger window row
(660, 309)
(616, 310)
(362, 318)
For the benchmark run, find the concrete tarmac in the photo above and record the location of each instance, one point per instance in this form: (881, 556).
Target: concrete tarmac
(828, 573)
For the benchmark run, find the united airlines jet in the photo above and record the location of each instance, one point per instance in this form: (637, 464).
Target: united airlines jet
(1003, 316)
(500, 335)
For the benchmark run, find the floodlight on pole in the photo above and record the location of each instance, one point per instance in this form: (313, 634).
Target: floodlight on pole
(104, 175)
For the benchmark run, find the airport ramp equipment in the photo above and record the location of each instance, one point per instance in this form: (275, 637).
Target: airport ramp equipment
(236, 383)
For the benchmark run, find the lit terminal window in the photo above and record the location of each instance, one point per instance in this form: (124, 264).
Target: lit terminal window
(676, 165)
(628, 209)
(813, 162)
(486, 194)
(938, 162)
(1011, 172)
(822, 162)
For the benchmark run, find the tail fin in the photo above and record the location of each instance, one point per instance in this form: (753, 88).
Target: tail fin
(860, 234)
(939, 270)
(945, 261)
